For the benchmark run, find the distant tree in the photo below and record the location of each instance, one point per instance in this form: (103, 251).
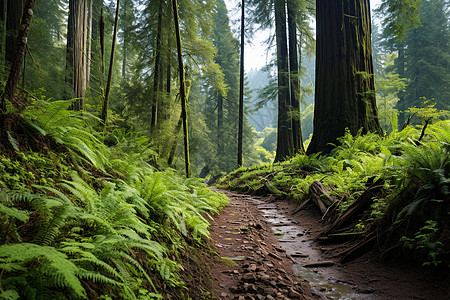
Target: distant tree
(427, 58)
(345, 91)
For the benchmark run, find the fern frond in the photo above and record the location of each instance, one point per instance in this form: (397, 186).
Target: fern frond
(52, 264)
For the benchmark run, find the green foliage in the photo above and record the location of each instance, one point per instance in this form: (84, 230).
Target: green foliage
(416, 180)
(36, 271)
(81, 233)
(424, 240)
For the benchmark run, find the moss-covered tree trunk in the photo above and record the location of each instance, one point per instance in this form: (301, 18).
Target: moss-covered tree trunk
(294, 79)
(345, 92)
(20, 45)
(284, 131)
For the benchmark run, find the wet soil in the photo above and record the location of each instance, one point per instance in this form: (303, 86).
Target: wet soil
(270, 254)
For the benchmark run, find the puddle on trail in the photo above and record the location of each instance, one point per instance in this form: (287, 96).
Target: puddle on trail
(294, 239)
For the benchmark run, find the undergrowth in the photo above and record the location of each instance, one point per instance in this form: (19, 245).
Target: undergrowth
(412, 211)
(88, 220)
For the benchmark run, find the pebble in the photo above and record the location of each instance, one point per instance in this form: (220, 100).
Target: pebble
(294, 295)
(248, 277)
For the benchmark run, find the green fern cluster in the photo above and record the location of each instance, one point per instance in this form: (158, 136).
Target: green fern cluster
(111, 229)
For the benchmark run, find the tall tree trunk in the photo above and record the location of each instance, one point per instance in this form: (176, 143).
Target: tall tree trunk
(76, 45)
(125, 39)
(102, 39)
(284, 134)
(16, 63)
(345, 92)
(241, 88)
(14, 10)
(182, 88)
(2, 25)
(157, 71)
(89, 51)
(294, 77)
(104, 115)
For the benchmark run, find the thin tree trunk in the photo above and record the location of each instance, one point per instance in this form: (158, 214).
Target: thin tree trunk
(89, 53)
(241, 88)
(294, 78)
(14, 10)
(15, 72)
(284, 134)
(175, 141)
(219, 124)
(104, 116)
(102, 39)
(125, 40)
(345, 91)
(157, 72)
(182, 88)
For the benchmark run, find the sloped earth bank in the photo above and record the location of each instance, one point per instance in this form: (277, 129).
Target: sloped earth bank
(270, 254)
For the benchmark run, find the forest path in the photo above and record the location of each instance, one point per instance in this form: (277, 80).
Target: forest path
(270, 248)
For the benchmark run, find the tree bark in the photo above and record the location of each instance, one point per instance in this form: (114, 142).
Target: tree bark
(241, 88)
(182, 88)
(2, 24)
(345, 91)
(284, 130)
(16, 66)
(294, 78)
(14, 11)
(104, 116)
(76, 45)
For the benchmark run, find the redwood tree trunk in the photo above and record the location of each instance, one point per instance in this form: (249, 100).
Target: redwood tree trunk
(76, 55)
(345, 92)
(16, 63)
(2, 24)
(284, 130)
(14, 10)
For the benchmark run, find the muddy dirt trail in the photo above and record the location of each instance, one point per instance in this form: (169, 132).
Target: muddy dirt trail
(272, 254)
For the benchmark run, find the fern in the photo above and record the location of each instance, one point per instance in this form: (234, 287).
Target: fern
(51, 264)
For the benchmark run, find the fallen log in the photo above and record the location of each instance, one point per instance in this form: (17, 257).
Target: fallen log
(319, 195)
(361, 204)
